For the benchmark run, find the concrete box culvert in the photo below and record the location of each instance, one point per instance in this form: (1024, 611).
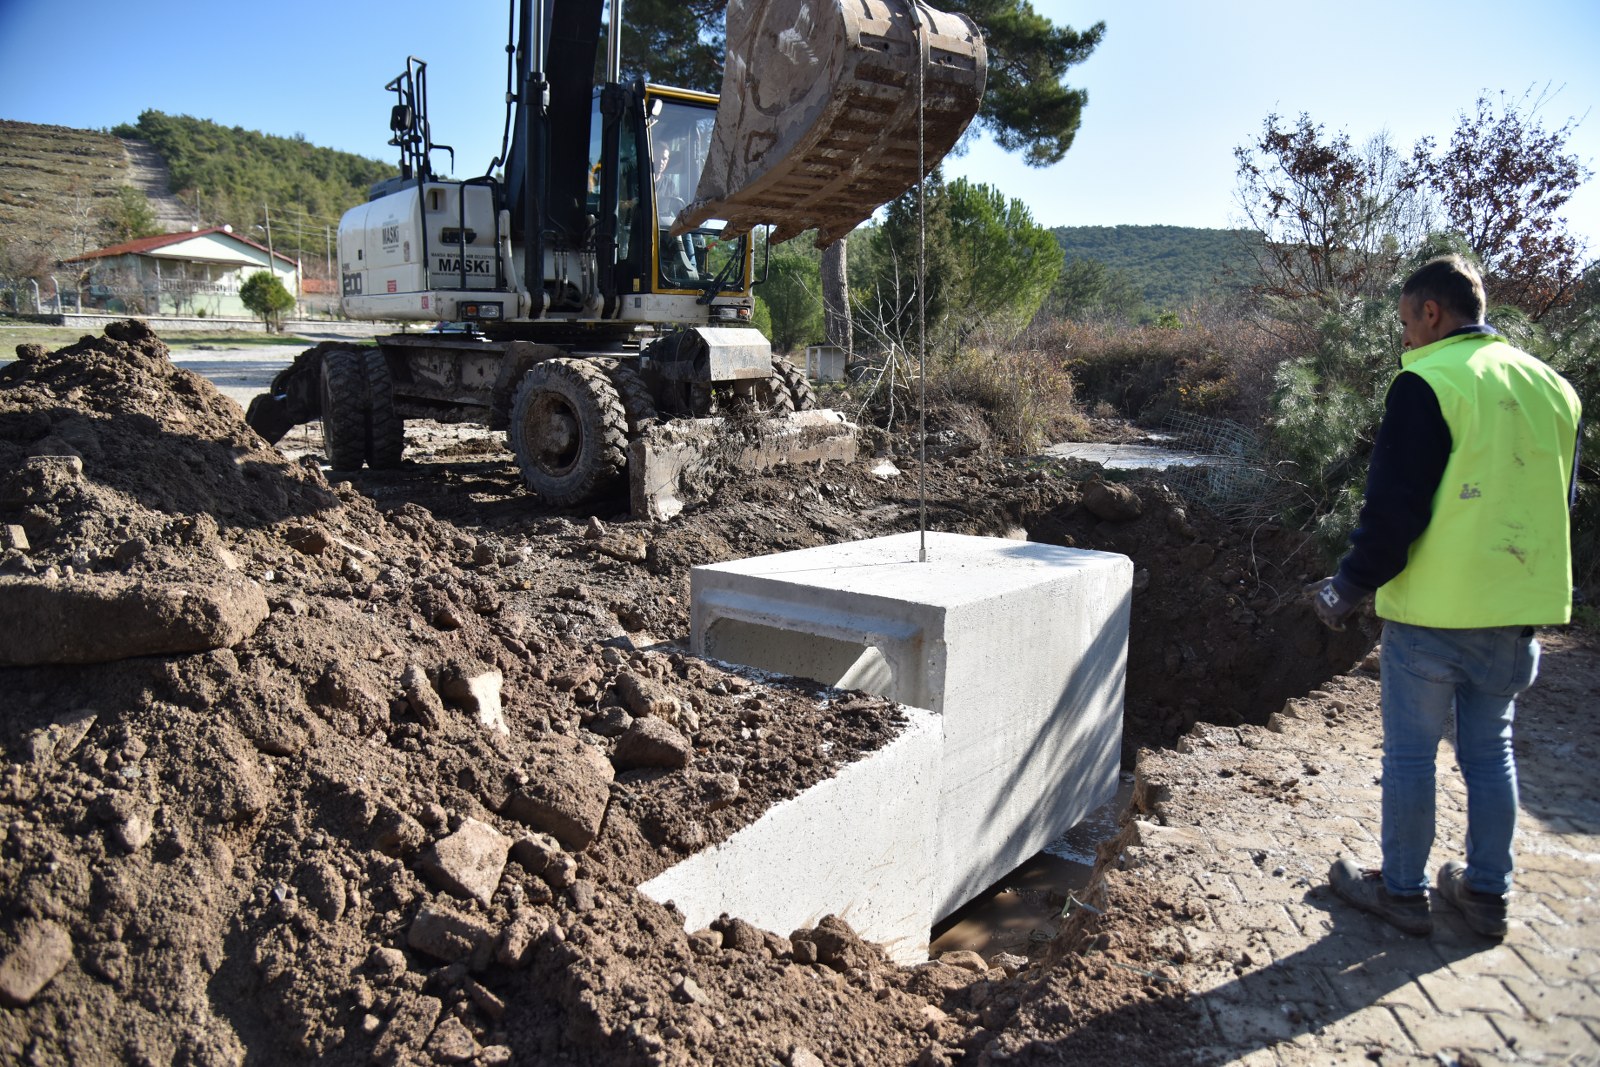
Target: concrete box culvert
(1018, 653)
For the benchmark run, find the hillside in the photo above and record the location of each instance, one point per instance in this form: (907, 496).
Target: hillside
(56, 184)
(229, 173)
(1171, 266)
(59, 186)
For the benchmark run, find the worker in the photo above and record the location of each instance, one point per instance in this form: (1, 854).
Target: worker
(670, 157)
(1464, 537)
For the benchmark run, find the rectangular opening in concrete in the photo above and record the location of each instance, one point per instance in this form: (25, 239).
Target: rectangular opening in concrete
(828, 660)
(1019, 653)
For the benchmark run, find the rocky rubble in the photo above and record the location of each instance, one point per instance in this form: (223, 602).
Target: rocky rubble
(391, 804)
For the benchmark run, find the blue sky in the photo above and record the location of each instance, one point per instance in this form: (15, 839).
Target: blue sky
(1172, 89)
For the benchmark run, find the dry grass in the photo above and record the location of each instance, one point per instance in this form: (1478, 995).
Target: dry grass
(1015, 398)
(1024, 395)
(1217, 363)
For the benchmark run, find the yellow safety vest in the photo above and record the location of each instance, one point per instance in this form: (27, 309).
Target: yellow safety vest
(1497, 551)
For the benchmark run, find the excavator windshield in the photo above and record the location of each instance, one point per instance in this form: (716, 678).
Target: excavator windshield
(678, 128)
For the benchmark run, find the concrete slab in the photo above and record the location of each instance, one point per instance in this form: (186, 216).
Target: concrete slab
(856, 845)
(1020, 648)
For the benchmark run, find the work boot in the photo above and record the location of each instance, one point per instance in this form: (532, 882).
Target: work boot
(1365, 889)
(1485, 913)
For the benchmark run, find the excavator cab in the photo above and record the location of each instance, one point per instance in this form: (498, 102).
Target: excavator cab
(663, 136)
(678, 129)
(660, 163)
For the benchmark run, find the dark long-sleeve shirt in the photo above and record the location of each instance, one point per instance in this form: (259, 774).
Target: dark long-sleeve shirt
(1408, 460)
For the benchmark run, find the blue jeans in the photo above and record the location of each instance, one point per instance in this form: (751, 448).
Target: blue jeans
(1429, 673)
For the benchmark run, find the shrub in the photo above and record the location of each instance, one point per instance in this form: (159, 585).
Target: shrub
(266, 296)
(1025, 396)
(1326, 409)
(1211, 361)
(1574, 350)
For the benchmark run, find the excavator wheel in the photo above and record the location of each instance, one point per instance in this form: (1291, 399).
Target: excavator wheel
(787, 391)
(801, 396)
(386, 430)
(637, 403)
(569, 431)
(344, 408)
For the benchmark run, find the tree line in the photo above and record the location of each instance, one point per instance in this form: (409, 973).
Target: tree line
(230, 175)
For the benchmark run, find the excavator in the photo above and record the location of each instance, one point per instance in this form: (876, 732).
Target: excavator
(591, 293)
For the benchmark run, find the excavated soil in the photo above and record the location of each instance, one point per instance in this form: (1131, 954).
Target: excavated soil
(391, 804)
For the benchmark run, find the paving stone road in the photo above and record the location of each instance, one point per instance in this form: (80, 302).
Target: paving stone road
(1242, 824)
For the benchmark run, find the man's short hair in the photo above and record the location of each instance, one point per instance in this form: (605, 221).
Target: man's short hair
(1452, 283)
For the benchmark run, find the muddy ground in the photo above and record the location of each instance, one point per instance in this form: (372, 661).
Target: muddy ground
(294, 767)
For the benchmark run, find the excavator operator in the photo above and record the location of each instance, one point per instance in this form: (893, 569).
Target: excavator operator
(670, 158)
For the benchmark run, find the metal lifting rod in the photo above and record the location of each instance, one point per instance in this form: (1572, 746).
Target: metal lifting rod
(920, 28)
(614, 44)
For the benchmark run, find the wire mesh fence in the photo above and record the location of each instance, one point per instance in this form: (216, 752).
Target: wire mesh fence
(1237, 479)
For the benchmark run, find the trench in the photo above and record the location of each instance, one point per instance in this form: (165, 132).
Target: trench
(1187, 661)
(1232, 667)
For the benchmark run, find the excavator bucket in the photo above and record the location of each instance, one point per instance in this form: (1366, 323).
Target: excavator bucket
(817, 125)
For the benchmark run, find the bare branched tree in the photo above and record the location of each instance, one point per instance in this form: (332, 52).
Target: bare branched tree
(1502, 182)
(1334, 219)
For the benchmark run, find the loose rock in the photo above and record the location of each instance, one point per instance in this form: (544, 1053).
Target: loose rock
(1112, 502)
(469, 862)
(103, 618)
(652, 742)
(42, 949)
(479, 693)
(452, 936)
(516, 945)
(566, 794)
(453, 1043)
(421, 696)
(408, 1030)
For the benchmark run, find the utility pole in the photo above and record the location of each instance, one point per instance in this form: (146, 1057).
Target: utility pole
(327, 248)
(272, 260)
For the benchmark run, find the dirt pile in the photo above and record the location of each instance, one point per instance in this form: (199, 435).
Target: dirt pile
(399, 814)
(1219, 631)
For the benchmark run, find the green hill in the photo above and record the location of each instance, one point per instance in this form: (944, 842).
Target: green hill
(1171, 266)
(230, 173)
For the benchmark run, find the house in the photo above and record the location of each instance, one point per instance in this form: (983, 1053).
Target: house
(320, 298)
(194, 273)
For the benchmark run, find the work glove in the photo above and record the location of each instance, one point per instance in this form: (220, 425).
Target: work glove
(1333, 601)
